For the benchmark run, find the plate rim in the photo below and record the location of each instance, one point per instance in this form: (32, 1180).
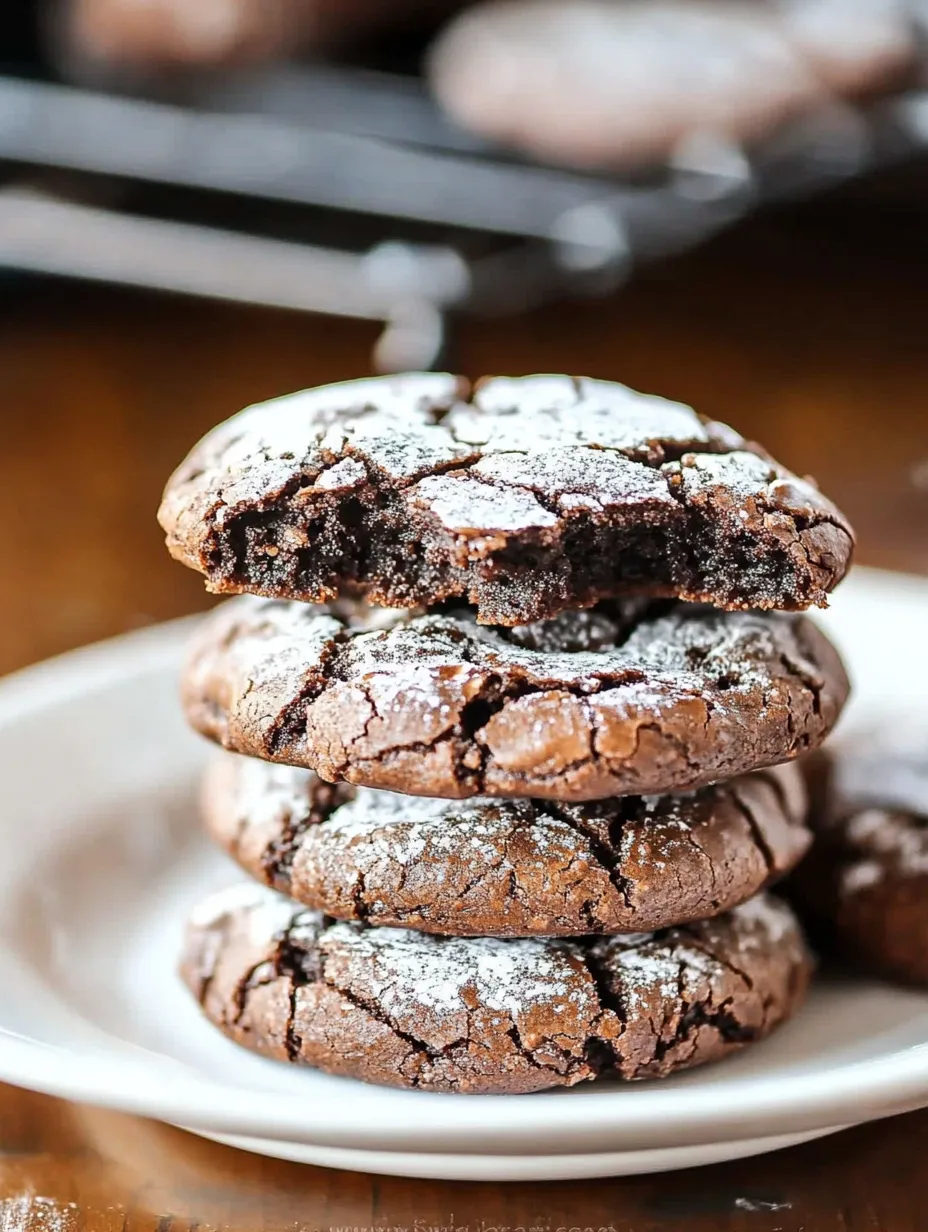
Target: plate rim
(585, 1165)
(680, 1116)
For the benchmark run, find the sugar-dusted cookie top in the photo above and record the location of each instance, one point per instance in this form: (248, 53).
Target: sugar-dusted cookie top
(485, 1015)
(630, 698)
(506, 868)
(522, 496)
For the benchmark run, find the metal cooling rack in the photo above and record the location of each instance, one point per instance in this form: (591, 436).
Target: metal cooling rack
(346, 192)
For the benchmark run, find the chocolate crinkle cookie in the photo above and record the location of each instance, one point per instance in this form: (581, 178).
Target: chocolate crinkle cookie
(483, 1015)
(864, 886)
(624, 699)
(506, 868)
(522, 496)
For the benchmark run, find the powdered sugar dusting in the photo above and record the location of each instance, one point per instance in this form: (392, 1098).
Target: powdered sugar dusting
(267, 913)
(653, 698)
(268, 678)
(266, 793)
(32, 1212)
(861, 876)
(764, 921)
(345, 474)
(307, 431)
(644, 973)
(569, 475)
(681, 649)
(670, 966)
(743, 475)
(409, 426)
(893, 836)
(438, 973)
(400, 829)
(706, 641)
(462, 504)
(537, 412)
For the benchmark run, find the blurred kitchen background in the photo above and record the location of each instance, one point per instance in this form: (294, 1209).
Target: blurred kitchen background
(209, 202)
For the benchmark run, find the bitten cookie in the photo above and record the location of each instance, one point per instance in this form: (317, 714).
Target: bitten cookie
(523, 496)
(506, 868)
(865, 883)
(622, 699)
(407, 1009)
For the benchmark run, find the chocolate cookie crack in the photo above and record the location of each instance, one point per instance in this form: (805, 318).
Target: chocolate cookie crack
(678, 742)
(217, 936)
(607, 854)
(358, 894)
(567, 1064)
(757, 832)
(420, 1050)
(773, 781)
(436, 706)
(481, 875)
(493, 697)
(723, 1021)
(811, 684)
(602, 1053)
(301, 964)
(385, 756)
(696, 940)
(293, 1041)
(585, 497)
(800, 737)
(293, 823)
(254, 977)
(686, 835)
(289, 726)
(277, 858)
(494, 1016)
(695, 1016)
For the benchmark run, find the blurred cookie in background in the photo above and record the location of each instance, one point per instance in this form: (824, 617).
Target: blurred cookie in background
(864, 886)
(600, 83)
(596, 83)
(219, 33)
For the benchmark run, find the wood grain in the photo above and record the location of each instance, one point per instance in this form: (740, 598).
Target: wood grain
(805, 330)
(66, 1169)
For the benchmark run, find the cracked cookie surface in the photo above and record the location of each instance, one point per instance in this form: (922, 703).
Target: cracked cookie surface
(506, 868)
(482, 1015)
(523, 496)
(623, 699)
(864, 885)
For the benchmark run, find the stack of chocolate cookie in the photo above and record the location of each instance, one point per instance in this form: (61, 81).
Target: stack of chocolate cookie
(512, 701)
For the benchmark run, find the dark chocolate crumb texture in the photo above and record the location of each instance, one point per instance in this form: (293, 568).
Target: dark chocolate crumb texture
(483, 1015)
(624, 699)
(506, 868)
(522, 496)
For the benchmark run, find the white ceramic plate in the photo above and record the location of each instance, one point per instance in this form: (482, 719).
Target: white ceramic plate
(102, 858)
(452, 1167)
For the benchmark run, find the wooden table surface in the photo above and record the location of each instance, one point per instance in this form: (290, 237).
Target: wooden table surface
(807, 331)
